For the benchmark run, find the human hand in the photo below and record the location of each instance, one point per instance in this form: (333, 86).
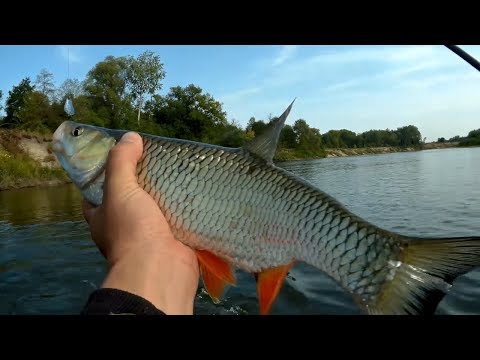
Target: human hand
(133, 235)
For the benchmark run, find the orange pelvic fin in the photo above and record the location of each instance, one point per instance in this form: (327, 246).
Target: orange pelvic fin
(215, 272)
(269, 283)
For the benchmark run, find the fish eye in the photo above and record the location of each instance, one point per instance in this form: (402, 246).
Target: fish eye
(77, 131)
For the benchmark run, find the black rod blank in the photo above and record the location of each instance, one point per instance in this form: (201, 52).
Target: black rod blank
(465, 56)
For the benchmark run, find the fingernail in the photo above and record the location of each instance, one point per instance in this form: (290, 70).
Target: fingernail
(129, 137)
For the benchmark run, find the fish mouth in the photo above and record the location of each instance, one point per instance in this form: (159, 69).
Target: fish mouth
(57, 147)
(57, 144)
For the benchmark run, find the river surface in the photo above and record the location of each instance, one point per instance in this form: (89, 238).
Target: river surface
(49, 265)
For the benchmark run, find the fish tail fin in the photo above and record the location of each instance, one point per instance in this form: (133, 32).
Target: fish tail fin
(425, 273)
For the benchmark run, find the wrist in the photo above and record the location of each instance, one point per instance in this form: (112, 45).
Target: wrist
(166, 279)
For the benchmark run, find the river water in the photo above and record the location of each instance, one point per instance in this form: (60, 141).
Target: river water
(49, 265)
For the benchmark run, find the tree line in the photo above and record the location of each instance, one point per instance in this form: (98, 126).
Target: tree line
(472, 139)
(122, 92)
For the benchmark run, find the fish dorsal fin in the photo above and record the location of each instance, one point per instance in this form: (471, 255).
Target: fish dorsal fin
(265, 145)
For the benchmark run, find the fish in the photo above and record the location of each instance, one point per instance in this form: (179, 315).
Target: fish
(240, 212)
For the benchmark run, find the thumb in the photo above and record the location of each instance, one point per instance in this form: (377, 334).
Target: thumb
(122, 161)
(88, 211)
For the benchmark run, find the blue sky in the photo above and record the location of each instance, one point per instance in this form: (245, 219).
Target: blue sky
(352, 87)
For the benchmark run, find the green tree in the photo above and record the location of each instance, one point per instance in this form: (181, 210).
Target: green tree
(1, 95)
(188, 113)
(258, 127)
(38, 114)
(340, 139)
(231, 135)
(309, 139)
(331, 139)
(144, 76)
(85, 113)
(72, 88)
(288, 138)
(44, 84)
(16, 100)
(391, 138)
(106, 84)
(408, 135)
(474, 134)
(373, 138)
(473, 139)
(348, 138)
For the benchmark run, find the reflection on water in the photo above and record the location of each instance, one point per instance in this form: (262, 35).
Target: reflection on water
(433, 193)
(413, 193)
(40, 205)
(46, 256)
(49, 265)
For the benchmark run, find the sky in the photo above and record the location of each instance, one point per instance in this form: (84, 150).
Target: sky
(336, 87)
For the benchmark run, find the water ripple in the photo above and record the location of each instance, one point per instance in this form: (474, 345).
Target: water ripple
(49, 265)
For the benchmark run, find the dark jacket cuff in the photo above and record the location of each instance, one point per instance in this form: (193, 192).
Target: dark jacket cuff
(107, 301)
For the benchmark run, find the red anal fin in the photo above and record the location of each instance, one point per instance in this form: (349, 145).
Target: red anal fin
(216, 273)
(269, 283)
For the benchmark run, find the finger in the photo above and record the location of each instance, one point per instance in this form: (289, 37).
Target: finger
(93, 216)
(122, 162)
(88, 210)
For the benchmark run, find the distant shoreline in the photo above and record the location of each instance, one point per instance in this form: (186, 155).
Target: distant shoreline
(34, 164)
(346, 152)
(24, 183)
(386, 149)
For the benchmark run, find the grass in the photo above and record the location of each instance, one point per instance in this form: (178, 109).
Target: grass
(20, 171)
(299, 154)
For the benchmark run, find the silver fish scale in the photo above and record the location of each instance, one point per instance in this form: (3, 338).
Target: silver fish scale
(259, 216)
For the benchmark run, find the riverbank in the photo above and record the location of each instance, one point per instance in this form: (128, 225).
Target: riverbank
(288, 154)
(26, 160)
(386, 149)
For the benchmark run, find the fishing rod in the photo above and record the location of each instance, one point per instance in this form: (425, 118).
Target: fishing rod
(465, 56)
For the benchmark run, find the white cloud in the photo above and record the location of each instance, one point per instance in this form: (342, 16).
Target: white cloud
(367, 87)
(375, 53)
(325, 68)
(395, 76)
(331, 63)
(442, 106)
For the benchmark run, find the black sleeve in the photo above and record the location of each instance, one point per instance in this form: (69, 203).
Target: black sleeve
(107, 301)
